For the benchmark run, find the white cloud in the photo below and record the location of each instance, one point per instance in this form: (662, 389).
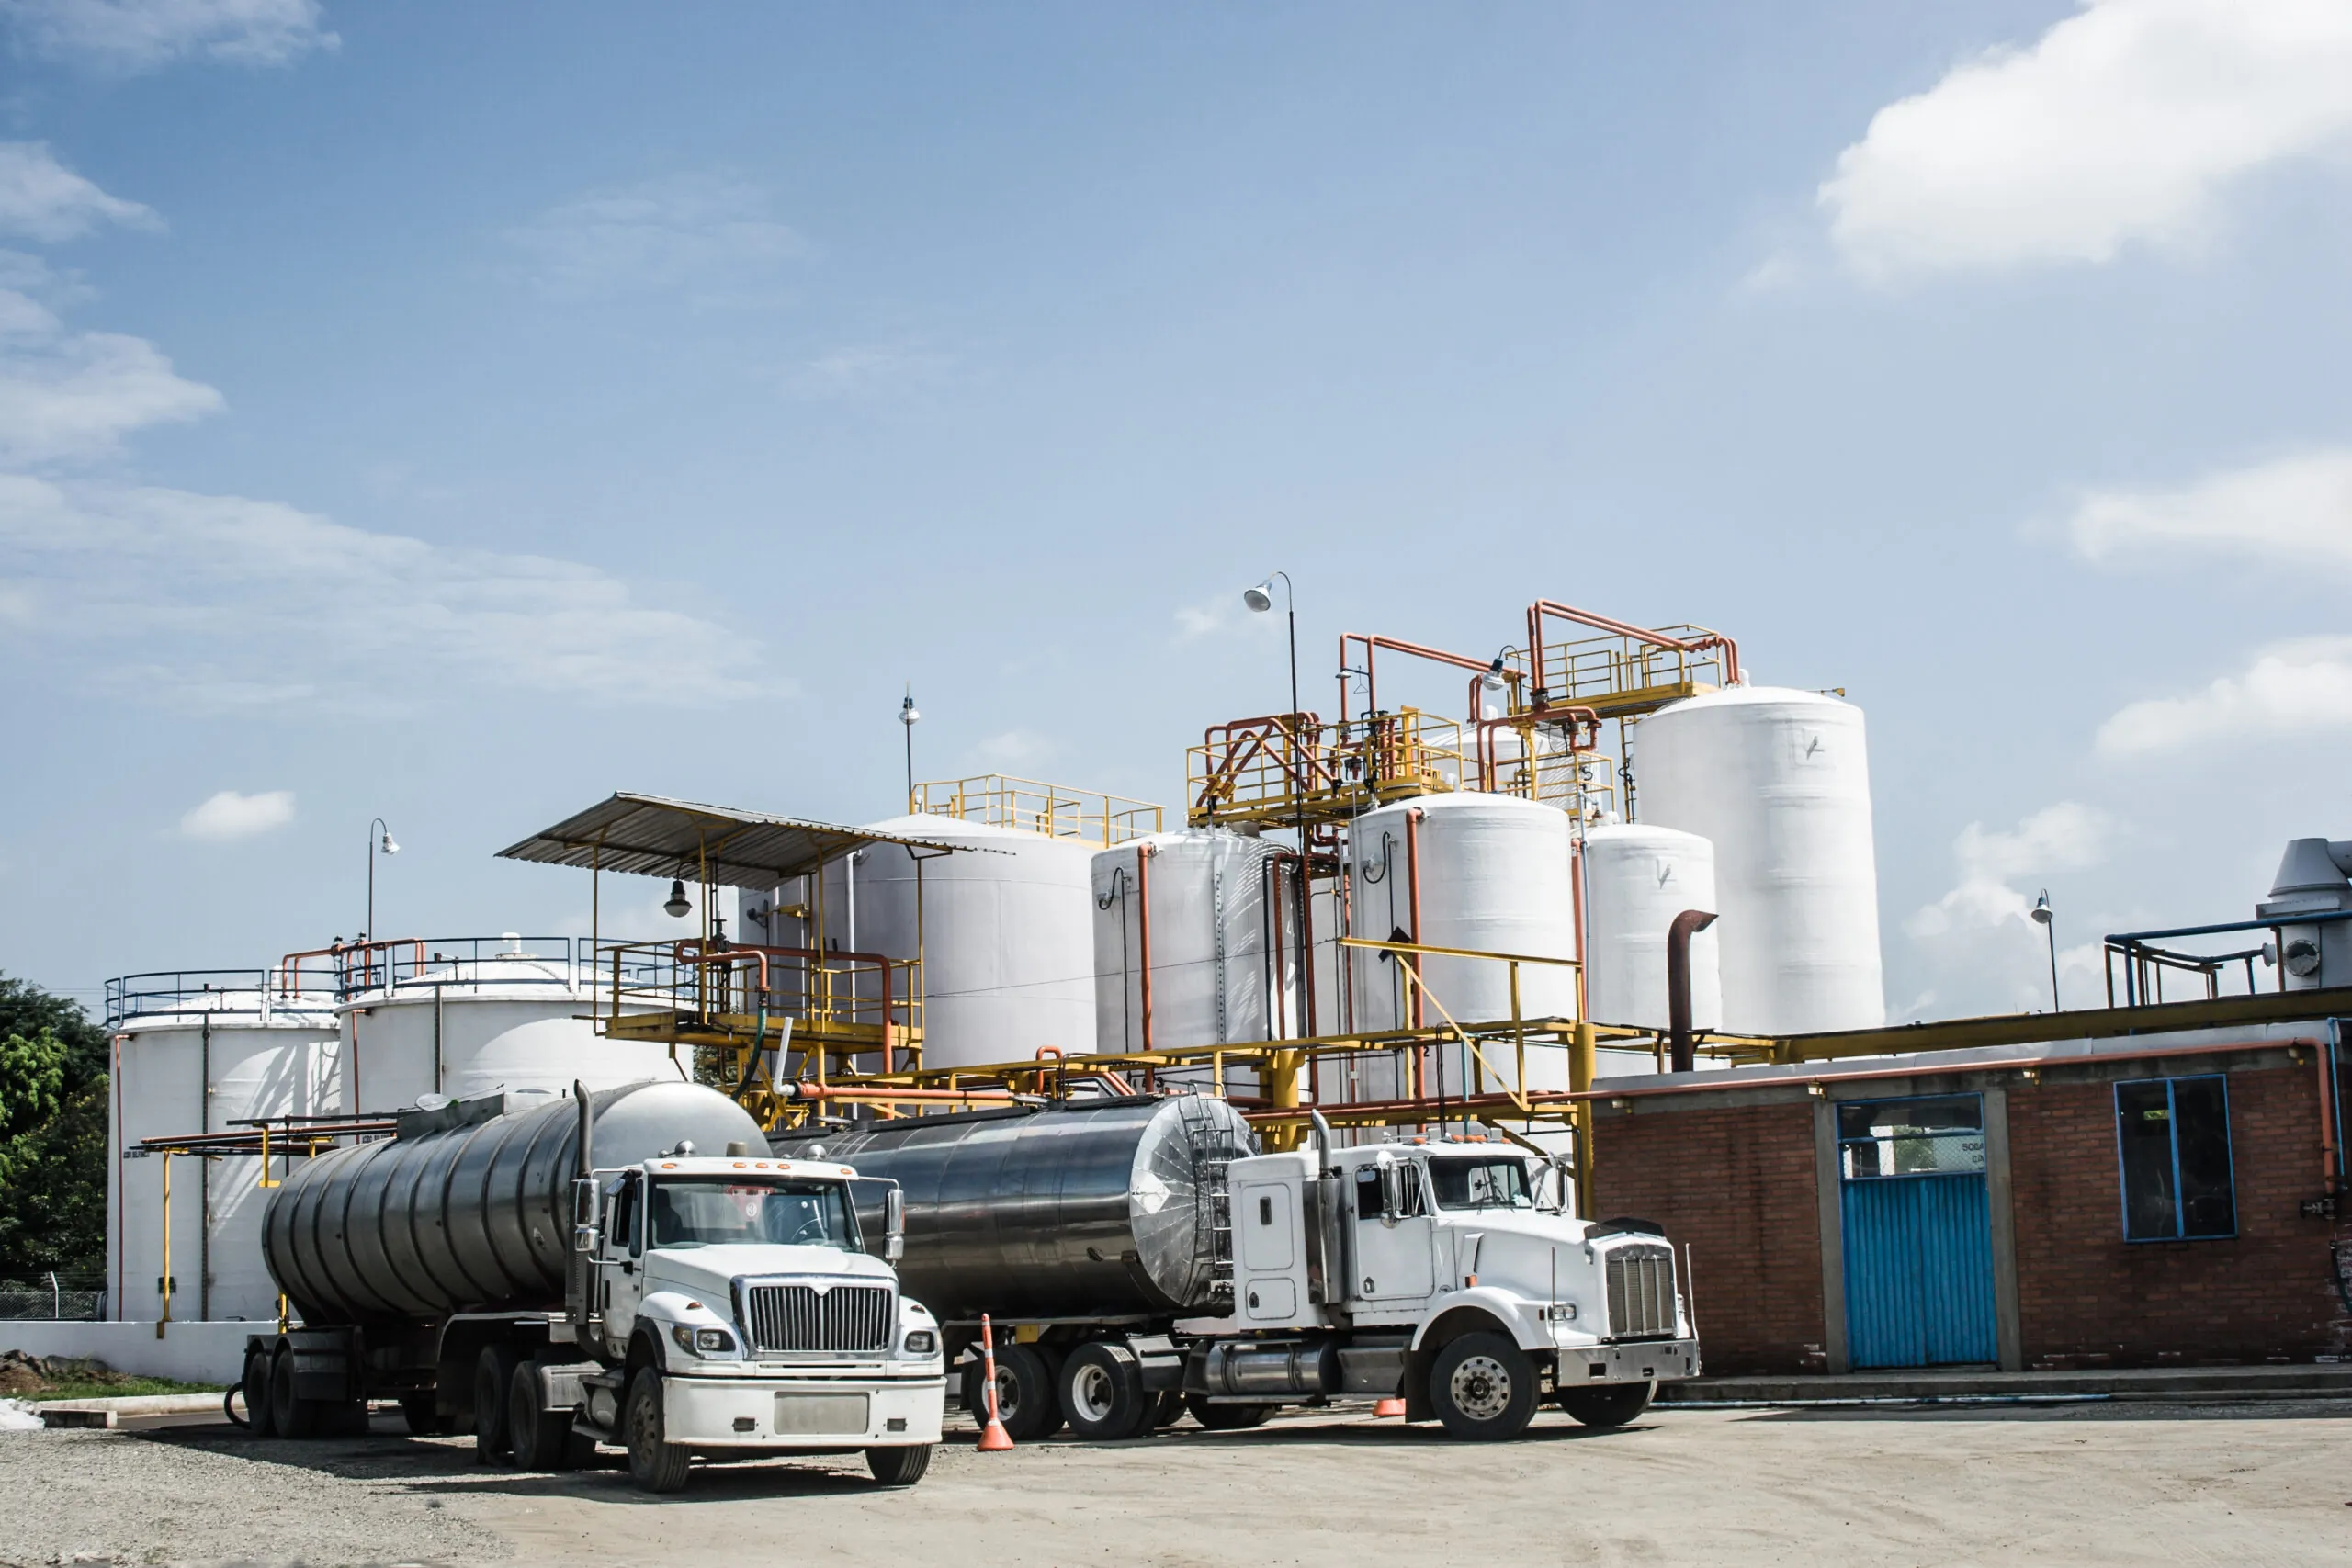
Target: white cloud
(42, 199)
(2303, 687)
(223, 601)
(230, 815)
(685, 229)
(2294, 511)
(1977, 948)
(141, 35)
(66, 394)
(2122, 123)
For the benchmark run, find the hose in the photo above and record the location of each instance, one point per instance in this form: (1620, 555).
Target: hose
(229, 1405)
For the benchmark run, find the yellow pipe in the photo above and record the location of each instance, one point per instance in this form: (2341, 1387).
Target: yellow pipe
(1582, 1060)
(167, 1282)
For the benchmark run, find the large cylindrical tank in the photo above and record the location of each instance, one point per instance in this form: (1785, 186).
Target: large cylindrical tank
(475, 1215)
(1061, 1213)
(1493, 876)
(190, 1061)
(1220, 972)
(1006, 937)
(1778, 782)
(477, 1016)
(1637, 878)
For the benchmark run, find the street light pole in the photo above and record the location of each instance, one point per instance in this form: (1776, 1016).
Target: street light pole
(909, 718)
(1262, 599)
(2047, 918)
(376, 847)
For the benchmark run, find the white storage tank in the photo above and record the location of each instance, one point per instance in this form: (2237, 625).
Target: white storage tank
(194, 1054)
(1220, 971)
(467, 1016)
(1778, 782)
(1493, 876)
(1637, 878)
(1007, 935)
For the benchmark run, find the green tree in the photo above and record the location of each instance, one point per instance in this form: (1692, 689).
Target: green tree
(52, 1135)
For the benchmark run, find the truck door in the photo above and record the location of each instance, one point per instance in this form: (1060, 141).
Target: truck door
(1266, 1220)
(1395, 1251)
(621, 1265)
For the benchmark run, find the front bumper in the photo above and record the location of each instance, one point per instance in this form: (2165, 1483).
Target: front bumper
(814, 1414)
(1645, 1360)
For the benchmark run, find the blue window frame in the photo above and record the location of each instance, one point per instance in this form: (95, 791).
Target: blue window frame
(2173, 1144)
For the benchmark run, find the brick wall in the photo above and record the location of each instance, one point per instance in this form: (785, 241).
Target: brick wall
(1737, 1185)
(2088, 1298)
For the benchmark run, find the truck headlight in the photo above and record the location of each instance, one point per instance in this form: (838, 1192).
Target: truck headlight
(703, 1341)
(921, 1342)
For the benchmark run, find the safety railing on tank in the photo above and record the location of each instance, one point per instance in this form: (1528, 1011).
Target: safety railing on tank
(2144, 965)
(231, 993)
(1000, 800)
(1630, 670)
(1275, 768)
(508, 960)
(761, 997)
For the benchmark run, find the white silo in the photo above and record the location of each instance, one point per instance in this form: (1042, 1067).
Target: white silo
(193, 1055)
(1637, 878)
(467, 1016)
(1493, 876)
(1206, 907)
(1778, 782)
(1006, 936)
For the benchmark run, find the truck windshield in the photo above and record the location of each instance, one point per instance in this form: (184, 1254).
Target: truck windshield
(1480, 1184)
(754, 1213)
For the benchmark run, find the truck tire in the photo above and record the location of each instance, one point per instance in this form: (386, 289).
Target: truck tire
(1483, 1387)
(655, 1463)
(288, 1417)
(1227, 1417)
(256, 1391)
(1612, 1404)
(1101, 1394)
(493, 1376)
(1026, 1401)
(1166, 1406)
(422, 1413)
(899, 1467)
(542, 1438)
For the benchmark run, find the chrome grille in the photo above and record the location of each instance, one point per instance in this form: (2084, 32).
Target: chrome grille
(786, 1318)
(1640, 1292)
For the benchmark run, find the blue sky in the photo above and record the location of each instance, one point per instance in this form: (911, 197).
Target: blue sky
(456, 413)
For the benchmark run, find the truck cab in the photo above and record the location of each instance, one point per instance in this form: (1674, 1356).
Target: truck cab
(733, 1304)
(1446, 1272)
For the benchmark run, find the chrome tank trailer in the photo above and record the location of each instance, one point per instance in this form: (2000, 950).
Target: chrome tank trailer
(1100, 1209)
(469, 1208)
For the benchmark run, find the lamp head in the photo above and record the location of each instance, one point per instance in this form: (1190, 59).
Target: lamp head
(907, 714)
(2042, 913)
(677, 908)
(1494, 680)
(1259, 597)
(388, 847)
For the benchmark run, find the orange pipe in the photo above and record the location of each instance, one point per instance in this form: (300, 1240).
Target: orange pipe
(1542, 607)
(1411, 649)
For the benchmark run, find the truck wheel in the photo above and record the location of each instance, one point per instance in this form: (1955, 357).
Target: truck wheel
(1101, 1392)
(655, 1463)
(1166, 1408)
(1612, 1404)
(899, 1467)
(288, 1417)
(1025, 1400)
(493, 1376)
(422, 1413)
(256, 1391)
(1483, 1387)
(1227, 1417)
(542, 1437)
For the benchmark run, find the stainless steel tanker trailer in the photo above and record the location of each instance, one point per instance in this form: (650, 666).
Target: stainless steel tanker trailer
(1138, 1256)
(630, 1266)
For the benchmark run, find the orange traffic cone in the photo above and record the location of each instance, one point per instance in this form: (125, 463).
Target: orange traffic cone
(1389, 1407)
(994, 1439)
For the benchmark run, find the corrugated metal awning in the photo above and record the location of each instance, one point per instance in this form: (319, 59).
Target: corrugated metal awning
(717, 844)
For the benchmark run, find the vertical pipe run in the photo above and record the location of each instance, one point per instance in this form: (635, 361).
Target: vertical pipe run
(204, 1177)
(1142, 933)
(1686, 924)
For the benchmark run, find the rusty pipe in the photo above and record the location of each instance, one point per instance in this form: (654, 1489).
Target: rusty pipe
(1143, 932)
(1686, 924)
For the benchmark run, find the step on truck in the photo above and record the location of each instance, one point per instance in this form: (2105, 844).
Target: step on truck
(1143, 1259)
(629, 1266)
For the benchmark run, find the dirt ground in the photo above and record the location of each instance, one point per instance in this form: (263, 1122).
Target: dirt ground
(2060, 1483)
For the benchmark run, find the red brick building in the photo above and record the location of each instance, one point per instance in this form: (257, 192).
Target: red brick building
(2154, 1200)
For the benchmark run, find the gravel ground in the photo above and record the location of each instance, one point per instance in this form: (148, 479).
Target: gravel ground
(2089, 1483)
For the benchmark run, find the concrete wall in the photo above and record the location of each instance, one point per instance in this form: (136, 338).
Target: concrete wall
(190, 1352)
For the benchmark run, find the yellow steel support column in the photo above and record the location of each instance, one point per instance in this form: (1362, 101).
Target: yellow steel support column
(1282, 1093)
(1582, 1057)
(166, 1280)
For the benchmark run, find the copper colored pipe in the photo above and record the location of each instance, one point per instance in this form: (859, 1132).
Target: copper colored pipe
(1686, 924)
(1414, 650)
(1542, 607)
(1143, 932)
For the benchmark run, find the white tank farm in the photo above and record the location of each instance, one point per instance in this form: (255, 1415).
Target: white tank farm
(1220, 973)
(480, 1014)
(1007, 935)
(1637, 878)
(1778, 782)
(1493, 876)
(190, 1061)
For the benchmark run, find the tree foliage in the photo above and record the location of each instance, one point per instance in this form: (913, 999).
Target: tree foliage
(52, 1135)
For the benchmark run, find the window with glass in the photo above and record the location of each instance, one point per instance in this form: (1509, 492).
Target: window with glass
(1939, 1135)
(714, 1213)
(1480, 1184)
(2173, 1136)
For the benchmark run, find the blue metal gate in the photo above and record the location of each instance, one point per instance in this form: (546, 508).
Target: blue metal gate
(1918, 1233)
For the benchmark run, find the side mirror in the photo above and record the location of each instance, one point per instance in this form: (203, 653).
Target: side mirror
(583, 1216)
(894, 1225)
(1392, 1191)
(1563, 1169)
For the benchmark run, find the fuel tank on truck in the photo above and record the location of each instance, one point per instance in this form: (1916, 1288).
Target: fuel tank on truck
(469, 1207)
(1093, 1210)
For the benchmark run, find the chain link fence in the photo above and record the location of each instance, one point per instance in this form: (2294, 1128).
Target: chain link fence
(53, 1298)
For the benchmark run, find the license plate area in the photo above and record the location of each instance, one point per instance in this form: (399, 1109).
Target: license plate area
(822, 1415)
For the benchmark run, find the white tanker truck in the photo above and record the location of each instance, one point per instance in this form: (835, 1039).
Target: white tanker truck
(1143, 1258)
(628, 1267)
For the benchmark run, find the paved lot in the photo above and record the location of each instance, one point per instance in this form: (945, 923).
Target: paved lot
(2071, 1484)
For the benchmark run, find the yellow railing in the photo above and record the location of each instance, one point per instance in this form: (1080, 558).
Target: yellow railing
(1616, 675)
(1002, 801)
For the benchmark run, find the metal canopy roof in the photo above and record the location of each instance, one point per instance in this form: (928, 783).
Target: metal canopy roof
(717, 844)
